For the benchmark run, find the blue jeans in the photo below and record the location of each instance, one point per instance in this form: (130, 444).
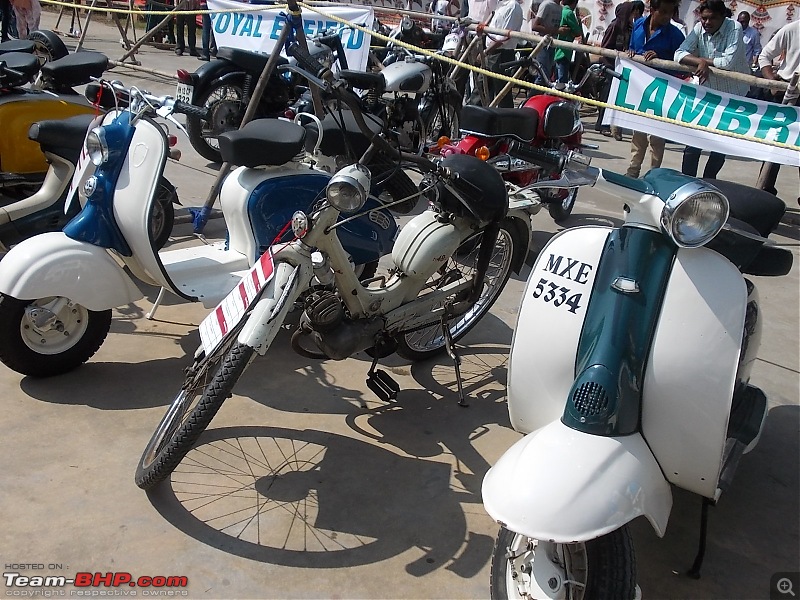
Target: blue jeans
(546, 57)
(562, 70)
(209, 44)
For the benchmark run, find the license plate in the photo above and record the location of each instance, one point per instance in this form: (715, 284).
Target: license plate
(84, 168)
(184, 93)
(230, 311)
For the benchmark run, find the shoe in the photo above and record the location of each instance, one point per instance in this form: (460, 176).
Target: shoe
(192, 52)
(606, 132)
(204, 57)
(618, 135)
(179, 51)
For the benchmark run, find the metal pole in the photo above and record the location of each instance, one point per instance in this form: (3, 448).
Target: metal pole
(149, 34)
(507, 87)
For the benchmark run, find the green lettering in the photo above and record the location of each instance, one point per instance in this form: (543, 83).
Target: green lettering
(690, 110)
(776, 118)
(622, 90)
(653, 97)
(739, 111)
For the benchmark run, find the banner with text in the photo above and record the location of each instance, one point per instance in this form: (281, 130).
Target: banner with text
(259, 31)
(653, 92)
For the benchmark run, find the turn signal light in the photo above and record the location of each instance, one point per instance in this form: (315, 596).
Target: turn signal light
(442, 141)
(172, 140)
(482, 153)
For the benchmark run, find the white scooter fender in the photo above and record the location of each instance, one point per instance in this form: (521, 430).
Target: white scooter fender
(565, 486)
(51, 264)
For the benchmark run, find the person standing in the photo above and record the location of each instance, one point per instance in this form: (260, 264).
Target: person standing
(28, 13)
(500, 49)
(653, 36)
(563, 57)
(547, 21)
(751, 37)
(5, 15)
(207, 36)
(184, 17)
(715, 41)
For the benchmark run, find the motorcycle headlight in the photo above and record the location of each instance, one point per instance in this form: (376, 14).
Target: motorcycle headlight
(694, 214)
(347, 190)
(96, 146)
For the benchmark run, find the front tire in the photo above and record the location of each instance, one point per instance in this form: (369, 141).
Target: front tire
(600, 569)
(208, 384)
(426, 342)
(162, 218)
(561, 202)
(441, 120)
(49, 336)
(224, 100)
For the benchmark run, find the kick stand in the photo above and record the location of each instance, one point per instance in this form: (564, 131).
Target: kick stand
(694, 572)
(451, 351)
(157, 303)
(380, 382)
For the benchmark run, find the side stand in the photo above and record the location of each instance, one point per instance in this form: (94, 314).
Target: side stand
(451, 351)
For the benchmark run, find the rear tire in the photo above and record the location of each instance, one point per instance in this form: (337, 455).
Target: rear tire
(53, 346)
(429, 341)
(605, 565)
(441, 120)
(203, 134)
(47, 46)
(206, 387)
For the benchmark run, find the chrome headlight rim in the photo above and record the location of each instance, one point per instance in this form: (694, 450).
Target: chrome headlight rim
(681, 202)
(96, 146)
(348, 189)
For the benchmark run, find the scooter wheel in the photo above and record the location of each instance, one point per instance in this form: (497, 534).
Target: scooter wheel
(48, 336)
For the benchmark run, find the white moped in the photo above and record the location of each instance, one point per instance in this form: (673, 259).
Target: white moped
(644, 386)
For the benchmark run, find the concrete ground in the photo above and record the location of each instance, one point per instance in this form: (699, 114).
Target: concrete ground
(374, 500)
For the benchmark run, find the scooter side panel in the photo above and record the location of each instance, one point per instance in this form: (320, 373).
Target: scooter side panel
(691, 374)
(567, 486)
(549, 325)
(51, 264)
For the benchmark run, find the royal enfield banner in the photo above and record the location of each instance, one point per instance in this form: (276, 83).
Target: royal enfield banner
(652, 92)
(259, 31)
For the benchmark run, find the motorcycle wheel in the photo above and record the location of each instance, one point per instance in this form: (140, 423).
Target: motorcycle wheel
(63, 342)
(163, 217)
(392, 183)
(441, 119)
(225, 100)
(560, 203)
(425, 342)
(600, 569)
(208, 384)
(47, 46)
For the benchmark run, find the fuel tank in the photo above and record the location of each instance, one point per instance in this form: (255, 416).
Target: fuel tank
(411, 77)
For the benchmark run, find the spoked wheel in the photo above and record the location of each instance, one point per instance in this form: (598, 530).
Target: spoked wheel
(560, 202)
(209, 382)
(441, 120)
(600, 569)
(224, 102)
(49, 336)
(427, 341)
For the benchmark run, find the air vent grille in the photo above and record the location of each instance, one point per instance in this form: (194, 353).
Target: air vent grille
(590, 399)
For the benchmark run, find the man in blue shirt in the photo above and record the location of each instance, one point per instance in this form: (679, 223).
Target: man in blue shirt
(653, 36)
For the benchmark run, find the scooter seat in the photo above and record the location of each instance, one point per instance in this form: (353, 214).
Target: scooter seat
(63, 137)
(26, 46)
(252, 62)
(341, 140)
(26, 64)
(262, 142)
(364, 81)
(518, 123)
(75, 69)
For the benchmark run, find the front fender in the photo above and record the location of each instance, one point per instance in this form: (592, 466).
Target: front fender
(565, 486)
(51, 264)
(521, 221)
(211, 73)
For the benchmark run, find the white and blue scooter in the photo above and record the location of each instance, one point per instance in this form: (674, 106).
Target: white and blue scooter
(643, 383)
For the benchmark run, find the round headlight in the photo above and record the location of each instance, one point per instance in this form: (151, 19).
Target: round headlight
(347, 190)
(694, 214)
(96, 146)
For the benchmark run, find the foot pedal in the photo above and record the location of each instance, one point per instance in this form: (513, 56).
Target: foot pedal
(382, 384)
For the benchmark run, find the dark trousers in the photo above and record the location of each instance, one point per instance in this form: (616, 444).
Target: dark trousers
(5, 14)
(691, 161)
(493, 62)
(209, 44)
(191, 26)
(153, 20)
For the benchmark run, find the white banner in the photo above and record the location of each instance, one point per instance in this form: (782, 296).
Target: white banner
(652, 92)
(259, 31)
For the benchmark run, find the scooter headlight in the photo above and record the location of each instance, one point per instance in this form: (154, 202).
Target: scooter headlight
(96, 146)
(694, 214)
(347, 190)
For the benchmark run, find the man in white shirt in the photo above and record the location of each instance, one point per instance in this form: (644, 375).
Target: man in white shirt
(500, 49)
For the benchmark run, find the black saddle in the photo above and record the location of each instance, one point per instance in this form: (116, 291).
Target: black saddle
(518, 123)
(26, 46)
(262, 142)
(364, 81)
(63, 137)
(75, 69)
(252, 62)
(25, 65)
(347, 139)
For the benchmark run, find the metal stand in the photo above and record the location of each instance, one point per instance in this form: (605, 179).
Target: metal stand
(694, 572)
(156, 304)
(451, 351)
(114, 17)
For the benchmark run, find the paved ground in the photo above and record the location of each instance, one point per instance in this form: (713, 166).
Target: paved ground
(384, 500)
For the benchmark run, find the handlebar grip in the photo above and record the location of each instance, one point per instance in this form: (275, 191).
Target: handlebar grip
(514, 63)
(305, 60)
(543, 158)
(614, 73)
(200, 112)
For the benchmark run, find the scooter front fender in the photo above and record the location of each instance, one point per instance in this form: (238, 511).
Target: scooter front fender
(561, 485)
(51, 264)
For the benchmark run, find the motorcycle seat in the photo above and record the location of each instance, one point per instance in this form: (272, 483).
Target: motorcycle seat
(518, 123)
(26, 46)
(26, 64)
(252, 62)
(341, 140)
(262, 142)
(755, 207)
(75, 69)
(63, 137)
(364, 81)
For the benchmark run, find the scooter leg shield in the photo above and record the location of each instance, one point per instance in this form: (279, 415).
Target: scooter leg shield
(561, 485)
(51, 264)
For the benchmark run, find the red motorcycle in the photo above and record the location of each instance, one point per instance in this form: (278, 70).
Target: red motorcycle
(506, 138)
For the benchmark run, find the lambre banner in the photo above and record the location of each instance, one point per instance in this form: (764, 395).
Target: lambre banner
(652, 92)
(259, 31)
